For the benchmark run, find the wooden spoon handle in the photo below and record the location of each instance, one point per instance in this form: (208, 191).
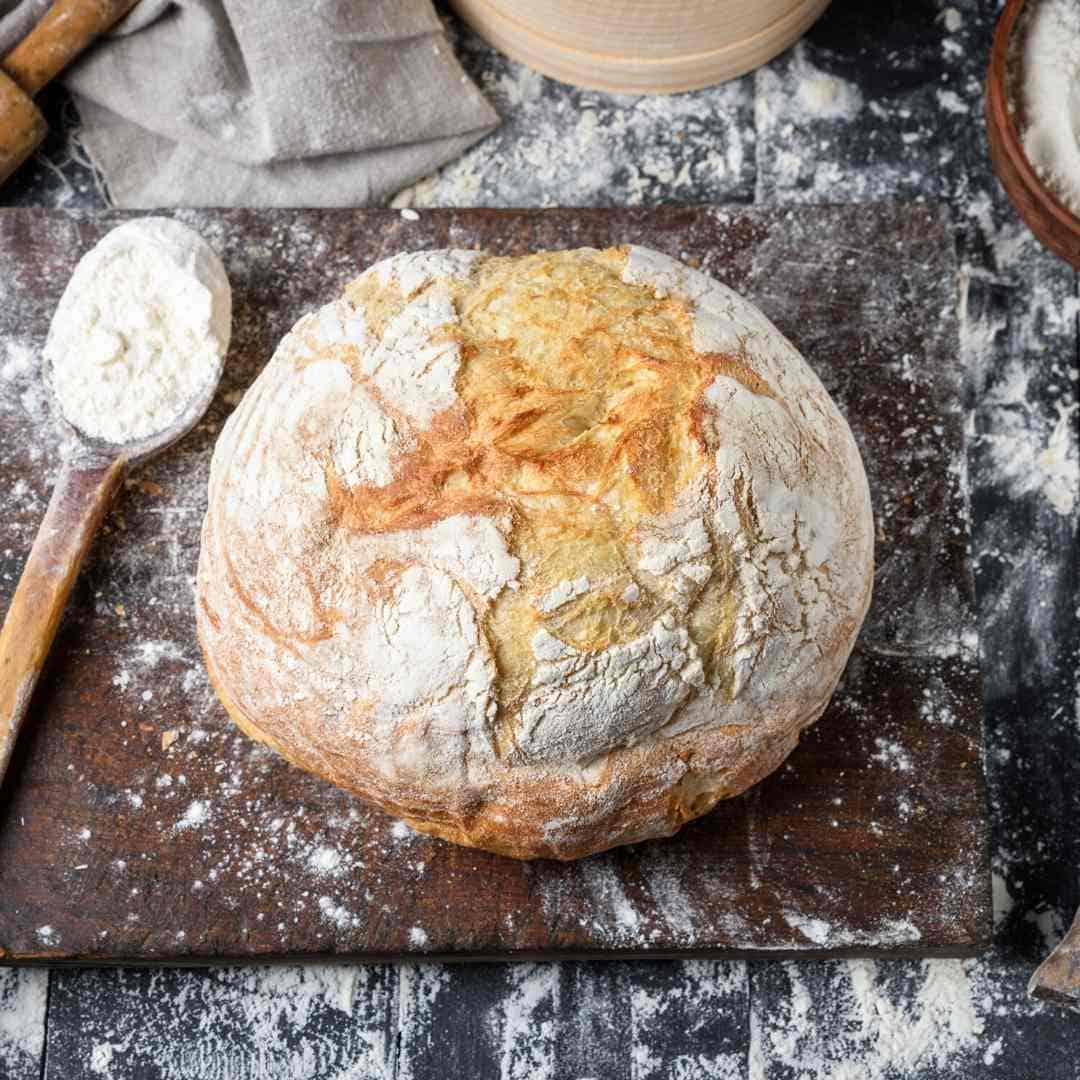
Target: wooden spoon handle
(64, 31)
(78, 504)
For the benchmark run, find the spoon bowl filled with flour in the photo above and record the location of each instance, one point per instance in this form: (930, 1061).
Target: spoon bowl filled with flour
(136, 345)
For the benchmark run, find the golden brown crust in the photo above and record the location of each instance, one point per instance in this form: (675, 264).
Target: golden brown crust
(542, 555)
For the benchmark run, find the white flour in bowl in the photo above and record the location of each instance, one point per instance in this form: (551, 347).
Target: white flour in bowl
(1046, 59)
(140, 332)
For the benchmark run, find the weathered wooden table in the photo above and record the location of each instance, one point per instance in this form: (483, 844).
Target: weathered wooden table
(903, 121)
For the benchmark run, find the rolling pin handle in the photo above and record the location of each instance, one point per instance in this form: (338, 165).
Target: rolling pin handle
(65, 30)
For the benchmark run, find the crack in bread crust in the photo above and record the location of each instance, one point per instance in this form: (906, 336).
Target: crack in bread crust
(545, 554)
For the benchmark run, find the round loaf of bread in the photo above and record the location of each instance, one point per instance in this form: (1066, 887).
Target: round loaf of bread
(541, 554)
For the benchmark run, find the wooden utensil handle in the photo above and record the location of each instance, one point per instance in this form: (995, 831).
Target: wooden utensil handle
(1058, 978)
(22, 127)
(78, 503)
(64, 31)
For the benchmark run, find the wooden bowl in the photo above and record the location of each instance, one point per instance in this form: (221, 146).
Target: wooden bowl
(641, 46)
(1051, 222)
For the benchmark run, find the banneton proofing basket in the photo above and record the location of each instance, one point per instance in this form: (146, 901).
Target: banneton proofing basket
(1050, 221)
(641, 46)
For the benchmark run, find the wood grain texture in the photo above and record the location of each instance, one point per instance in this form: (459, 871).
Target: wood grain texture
(79, 502)
(616, 1021)
(871, 839)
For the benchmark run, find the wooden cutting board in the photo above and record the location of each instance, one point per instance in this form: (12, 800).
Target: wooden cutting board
(871, 840)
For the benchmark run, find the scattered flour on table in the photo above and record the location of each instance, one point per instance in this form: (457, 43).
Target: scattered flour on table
(807, 120)
(151, 653)
(816, 930)
(23, 395)
(822, 95)
(952, 20)
(689, 1001)
(1018, 317)
(827, 935)
(22, 1020)
(865, 1020)
(21, 360)
(400, 831)
(194, 816)
(1003, 902)
(832, 1020)
(1022, 435)
(288, 1023)
(275, 1023)
(1050, 924)
(892, 755)
(324, 860)
(1028, 454)
(1045, 85)
(678, 910)
(101, 1057)
(419, 988)
(337, 914)
(525, 1023)
(559, 146)
(615, 911)
(936, 710)
(47, 935)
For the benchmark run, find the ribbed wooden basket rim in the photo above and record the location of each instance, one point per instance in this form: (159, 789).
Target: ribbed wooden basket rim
(558, 45)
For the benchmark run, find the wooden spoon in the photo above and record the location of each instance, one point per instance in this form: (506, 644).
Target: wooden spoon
(89, 478)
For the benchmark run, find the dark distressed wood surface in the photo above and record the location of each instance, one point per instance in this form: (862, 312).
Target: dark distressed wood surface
(872, 839)
(913, 129)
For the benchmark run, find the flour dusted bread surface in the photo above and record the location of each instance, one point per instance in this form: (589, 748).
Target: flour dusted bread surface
(542, 554)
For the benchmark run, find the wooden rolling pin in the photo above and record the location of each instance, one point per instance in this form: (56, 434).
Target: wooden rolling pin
(64, 31)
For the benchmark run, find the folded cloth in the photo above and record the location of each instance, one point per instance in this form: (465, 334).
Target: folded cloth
(268, 102)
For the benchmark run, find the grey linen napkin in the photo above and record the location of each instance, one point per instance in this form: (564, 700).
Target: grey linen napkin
(268, 102)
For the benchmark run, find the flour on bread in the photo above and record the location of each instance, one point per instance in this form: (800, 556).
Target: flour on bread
(786, 539)
(563, 593)
(412, 270)
(626, 691)
(415, 365)
(423, 655)
(535, 580)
